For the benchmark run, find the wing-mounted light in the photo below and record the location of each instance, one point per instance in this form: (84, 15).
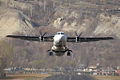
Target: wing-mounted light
(78, 36)
(42, 35)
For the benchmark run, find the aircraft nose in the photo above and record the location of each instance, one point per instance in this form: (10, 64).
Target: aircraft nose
(61, 38)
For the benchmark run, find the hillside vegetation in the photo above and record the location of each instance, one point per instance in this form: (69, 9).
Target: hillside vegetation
(91, 17)
(6, 53)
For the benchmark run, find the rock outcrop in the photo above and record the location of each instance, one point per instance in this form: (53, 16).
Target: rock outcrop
(108, 25)
(12, 21)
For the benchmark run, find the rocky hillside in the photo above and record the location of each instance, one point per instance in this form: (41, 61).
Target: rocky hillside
(108, 25)
(91, 17)
(12, 21)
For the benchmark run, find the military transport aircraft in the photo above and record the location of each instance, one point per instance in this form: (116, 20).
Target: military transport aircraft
(59, 41)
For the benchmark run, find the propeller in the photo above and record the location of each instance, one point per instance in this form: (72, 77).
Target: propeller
(78, 36)
(42, 35)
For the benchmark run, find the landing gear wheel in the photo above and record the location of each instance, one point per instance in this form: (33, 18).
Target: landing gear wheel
(50, 53)
(68, 53)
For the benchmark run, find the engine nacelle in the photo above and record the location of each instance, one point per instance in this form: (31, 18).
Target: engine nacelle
(77, 39)
(41, 38)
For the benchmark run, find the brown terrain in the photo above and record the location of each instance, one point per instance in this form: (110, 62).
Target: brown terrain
(91, 17)
(25, 76)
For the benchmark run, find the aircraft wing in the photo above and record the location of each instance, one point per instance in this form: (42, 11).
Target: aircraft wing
(33, 38)
(87, 39)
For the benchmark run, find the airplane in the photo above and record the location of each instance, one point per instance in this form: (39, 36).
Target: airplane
(59, 41)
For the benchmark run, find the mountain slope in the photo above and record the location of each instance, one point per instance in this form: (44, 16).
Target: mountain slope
(12, 21)
(90, 19)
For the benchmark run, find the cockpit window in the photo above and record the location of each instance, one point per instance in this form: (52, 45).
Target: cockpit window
(59, 33)
(62, 33)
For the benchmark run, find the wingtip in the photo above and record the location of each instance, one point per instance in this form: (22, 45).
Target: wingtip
(7, 35)
(112, 38)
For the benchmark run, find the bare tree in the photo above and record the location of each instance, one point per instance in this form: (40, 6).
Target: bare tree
(5, 56)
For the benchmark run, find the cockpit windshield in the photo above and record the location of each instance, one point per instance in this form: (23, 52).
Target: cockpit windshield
(59, 33)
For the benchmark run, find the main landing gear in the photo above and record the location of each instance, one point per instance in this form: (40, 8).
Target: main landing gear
(50, 52)
(69, 52)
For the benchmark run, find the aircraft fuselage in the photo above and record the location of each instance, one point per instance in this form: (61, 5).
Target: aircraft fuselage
(59, 44)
